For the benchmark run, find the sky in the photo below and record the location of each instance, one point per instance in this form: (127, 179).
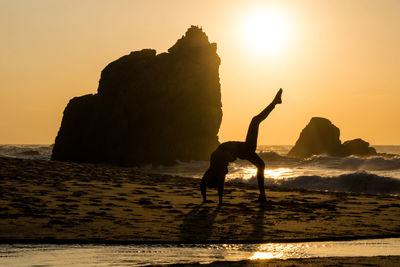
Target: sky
(334, 59)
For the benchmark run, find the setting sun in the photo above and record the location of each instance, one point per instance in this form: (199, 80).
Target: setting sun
(266, 31)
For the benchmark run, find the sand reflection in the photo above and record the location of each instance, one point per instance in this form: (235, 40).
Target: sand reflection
(265, 255)
(139, 255)
(280, 251)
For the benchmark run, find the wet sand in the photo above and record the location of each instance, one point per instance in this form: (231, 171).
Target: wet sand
(388, 261)
(48, 201)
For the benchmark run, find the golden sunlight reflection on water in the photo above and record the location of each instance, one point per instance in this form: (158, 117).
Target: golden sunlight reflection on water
(265, 255)
(279, 173)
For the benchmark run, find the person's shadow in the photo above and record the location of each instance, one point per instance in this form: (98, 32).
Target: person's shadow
(198, 223)
(258, 222)
(258, 225)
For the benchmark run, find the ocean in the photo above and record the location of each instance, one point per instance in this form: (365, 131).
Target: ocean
(378, 174)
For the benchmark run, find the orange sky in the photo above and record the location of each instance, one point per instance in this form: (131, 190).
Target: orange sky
(339, 60)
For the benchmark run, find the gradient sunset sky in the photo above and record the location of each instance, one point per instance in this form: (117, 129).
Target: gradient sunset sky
(334, 59)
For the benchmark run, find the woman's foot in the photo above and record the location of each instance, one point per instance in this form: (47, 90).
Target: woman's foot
(278, 97)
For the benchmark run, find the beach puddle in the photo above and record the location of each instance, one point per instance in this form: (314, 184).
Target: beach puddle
(138, 255)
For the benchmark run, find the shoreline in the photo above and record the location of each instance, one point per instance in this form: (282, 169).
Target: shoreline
(63, 203)
(314, 261)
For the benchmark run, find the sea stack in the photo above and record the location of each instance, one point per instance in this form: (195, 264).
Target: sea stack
(321, 136)
(148, 108)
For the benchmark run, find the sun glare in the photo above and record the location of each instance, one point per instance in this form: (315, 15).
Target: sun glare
(266, 31)
(265, 255)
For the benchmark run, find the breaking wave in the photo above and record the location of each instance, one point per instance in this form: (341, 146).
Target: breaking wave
(358, 182)
(26, 151)
(376, 163)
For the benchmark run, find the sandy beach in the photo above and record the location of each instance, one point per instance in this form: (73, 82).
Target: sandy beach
(62, 202)
(57, 202)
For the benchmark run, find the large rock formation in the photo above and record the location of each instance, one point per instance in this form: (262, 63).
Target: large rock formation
(149, 108)
(320, 136)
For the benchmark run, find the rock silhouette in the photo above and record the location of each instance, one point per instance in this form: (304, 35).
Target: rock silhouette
(358, 147)
(149, 108)
(320, 136)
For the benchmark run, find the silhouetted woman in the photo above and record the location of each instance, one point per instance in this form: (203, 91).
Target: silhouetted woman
(227, 152)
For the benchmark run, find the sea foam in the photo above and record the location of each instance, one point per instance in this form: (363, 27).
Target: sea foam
(358, 182)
